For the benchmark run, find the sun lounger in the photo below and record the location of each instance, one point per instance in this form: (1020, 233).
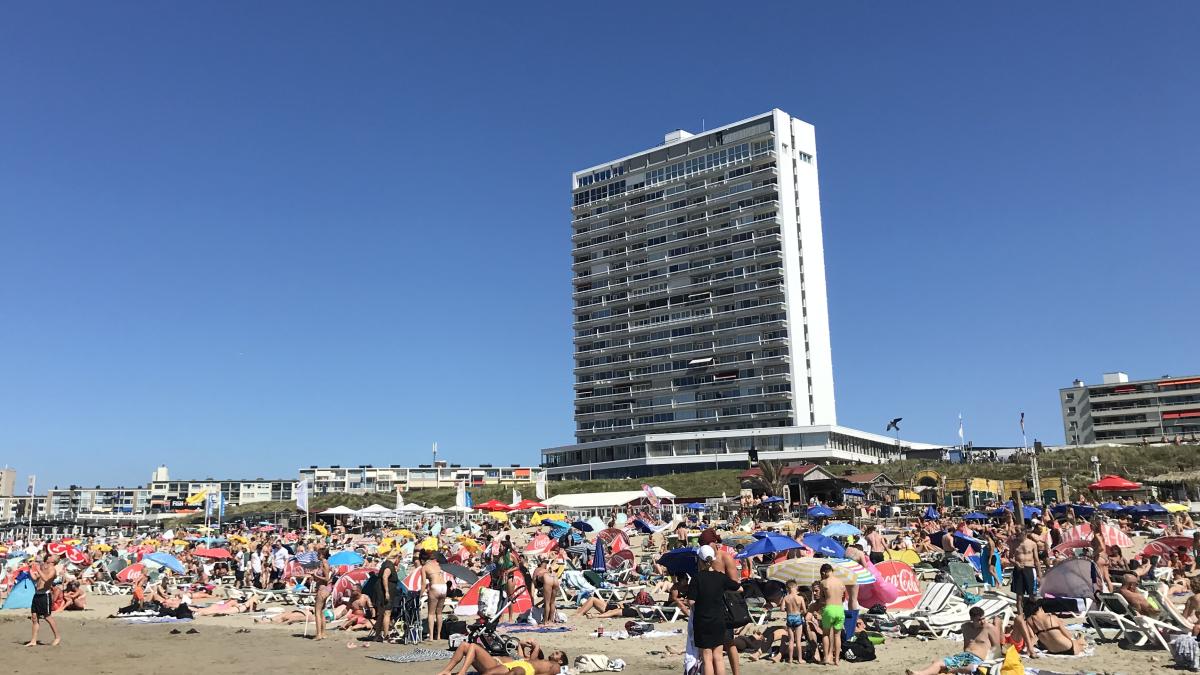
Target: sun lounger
(1115, 620)
(1170, 613)
(965, 577)
(936, 598)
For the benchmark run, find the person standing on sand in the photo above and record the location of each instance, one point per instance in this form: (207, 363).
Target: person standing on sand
(322, 578)
(434, 581)
(833, 615)
(43, 575)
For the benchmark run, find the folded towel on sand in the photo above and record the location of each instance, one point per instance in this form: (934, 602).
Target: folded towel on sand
(418, 655)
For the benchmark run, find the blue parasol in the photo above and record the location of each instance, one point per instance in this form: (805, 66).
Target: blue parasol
(820, 512)
(772, 543)
(824, 545)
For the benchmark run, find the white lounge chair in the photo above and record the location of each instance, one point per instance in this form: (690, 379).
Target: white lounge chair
(1114, 620)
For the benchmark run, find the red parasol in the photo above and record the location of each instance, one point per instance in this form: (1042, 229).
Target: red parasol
(1165, 545)
(541, 543)
(611, 533)
(214, 553)
(77, 557)
(493, 505)
(58, 548)
(468, 605)
(527, 505)
(1109, 535)
(621, 560)
(1113, 483)
(356, 577)
(131, 574)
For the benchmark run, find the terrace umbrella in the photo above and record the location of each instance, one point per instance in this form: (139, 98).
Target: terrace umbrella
(1110, 506)
(131, 573)
(77, 557)
(975, 515)
(820, 512)
(680, 560)
(824, 545)
(166, 560)
(1113, 483)
(772, 543)
(528, 505)
(697, 506)
(598, 558)
(840, 530)
(582, 526)
(1109, 535)
(493, 505)
(351, 558)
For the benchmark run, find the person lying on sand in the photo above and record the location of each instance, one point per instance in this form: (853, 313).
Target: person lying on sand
(533, 661)
(226, 608)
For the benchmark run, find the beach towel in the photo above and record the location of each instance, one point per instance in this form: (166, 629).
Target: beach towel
(1186, 652)
(536, 629)
(692, 663)
(418, 655)
(152, 619)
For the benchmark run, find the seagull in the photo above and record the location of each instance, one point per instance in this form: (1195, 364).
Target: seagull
(894, 424)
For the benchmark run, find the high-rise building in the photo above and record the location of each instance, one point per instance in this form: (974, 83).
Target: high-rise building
(700, 318)
(8, 481)
(1122, 411)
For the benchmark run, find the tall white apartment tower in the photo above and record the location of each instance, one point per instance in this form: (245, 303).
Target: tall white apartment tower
(699, 285)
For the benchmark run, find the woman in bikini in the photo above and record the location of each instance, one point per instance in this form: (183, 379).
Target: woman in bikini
(1049, 632)
(322, 578)
(435, 588)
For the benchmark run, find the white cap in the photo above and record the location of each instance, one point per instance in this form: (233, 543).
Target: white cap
(707, 552)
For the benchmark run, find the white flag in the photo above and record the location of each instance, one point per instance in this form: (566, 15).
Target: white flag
(460, 494)
(516, 497)
(32, 482)
(399, 498)
(302, 495)
(960, 431)
(541, 486)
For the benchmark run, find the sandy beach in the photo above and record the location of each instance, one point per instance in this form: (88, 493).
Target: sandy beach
(96, 644)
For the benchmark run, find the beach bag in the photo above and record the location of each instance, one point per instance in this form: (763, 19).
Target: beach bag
(489, 601)
(859, 649)
(737, 614)
(591, 663)
(1012, 663)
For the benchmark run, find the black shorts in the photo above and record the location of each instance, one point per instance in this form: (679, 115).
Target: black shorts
(1024, 582)
(41, 604)
(876, 557)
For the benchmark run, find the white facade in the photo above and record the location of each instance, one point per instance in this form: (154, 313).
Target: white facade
(368, 479)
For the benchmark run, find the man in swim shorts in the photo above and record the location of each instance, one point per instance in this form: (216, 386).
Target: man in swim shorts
(532, 663)
(980, 637)
(833, 615)
(794, 605)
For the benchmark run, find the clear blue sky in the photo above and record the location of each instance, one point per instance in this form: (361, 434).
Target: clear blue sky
(239, 238)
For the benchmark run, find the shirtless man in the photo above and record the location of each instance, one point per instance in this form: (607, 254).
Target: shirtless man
(833, 615)
(546, 580)
(724, 563)
(875, 539)
(979, 639)
(434, 580)
(1139, 603)
(531, 663)
(43, 575)
(1026, 566)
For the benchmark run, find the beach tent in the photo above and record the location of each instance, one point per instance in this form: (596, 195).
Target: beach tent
(21, 596)
(338, 511)
(1073, 578)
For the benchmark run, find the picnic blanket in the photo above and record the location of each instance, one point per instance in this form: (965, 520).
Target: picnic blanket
(418, 655)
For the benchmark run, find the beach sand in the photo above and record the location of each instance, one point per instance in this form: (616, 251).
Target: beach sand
(95, 644)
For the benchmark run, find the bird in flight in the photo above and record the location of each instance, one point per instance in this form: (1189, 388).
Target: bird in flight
(894, 424)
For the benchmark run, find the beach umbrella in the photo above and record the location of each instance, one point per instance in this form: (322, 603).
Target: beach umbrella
(58, 548)
(738, 540)
(539, 544)
(103, 548)
(556, 523)
(975, 515)
(611, 534)
(931, 513)
(320, 529)
(493, 505)
(696, 506)
(805, 571)
(1109, 535)
(468, 605)
(1175, 507)
(1075, 578)
(907, 556)
(1146, 509)
(350, 558)
(582, 526)
(1081, 510)
(347, 581)
(1113, 483)
(1164, 545)
(1072, 544)
(772, 543)
(213, 553)
(598, 557)
(470, 544)
(131, 573)
(853, 492)
(772, 500)
(840, 530)
(820, 511)
(528, 505)
(239, 539)
(77, 557)
(461, 573)
(824, 545)
(429, 544)
(1110, 506)
(166, 560)
(596, 524)
(681, 560)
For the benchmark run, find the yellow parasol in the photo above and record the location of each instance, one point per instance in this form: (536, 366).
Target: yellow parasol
(179, 542)
(321, 529)
(3, 549)
(1174, 507)
(406, 534)
(470, 544)
(500, 516)
(539, 517)
(428, 544)
(73, 542)
(906, 556)
(103, 548)
(150, 542)
(239, 539)
(385, 546)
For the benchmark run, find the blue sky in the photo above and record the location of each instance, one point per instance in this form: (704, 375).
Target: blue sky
(242, 238)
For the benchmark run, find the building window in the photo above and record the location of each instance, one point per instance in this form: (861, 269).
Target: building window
(1071, 410)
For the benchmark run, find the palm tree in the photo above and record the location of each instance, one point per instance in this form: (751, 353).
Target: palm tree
(770, 478)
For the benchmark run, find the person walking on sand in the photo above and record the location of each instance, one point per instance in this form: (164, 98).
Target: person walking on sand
(43, 574)
(833, 615)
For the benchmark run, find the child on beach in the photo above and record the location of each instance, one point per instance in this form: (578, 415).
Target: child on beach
(794, 606)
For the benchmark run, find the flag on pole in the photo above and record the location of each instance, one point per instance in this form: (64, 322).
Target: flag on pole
(516, 497)
(196, 498)
(302, 495)
(960, 431)
(541, 486)
(32, 483)
(1022, 424)
(467, 501)
(221, 506)
(460, 494)
(210, 504)
(399, 498)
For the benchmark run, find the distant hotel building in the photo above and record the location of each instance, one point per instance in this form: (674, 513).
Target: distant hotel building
(369, 479)
(1121, 411)
(700, 318)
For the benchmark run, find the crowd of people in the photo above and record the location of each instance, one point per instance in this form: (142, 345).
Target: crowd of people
(689, 566)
